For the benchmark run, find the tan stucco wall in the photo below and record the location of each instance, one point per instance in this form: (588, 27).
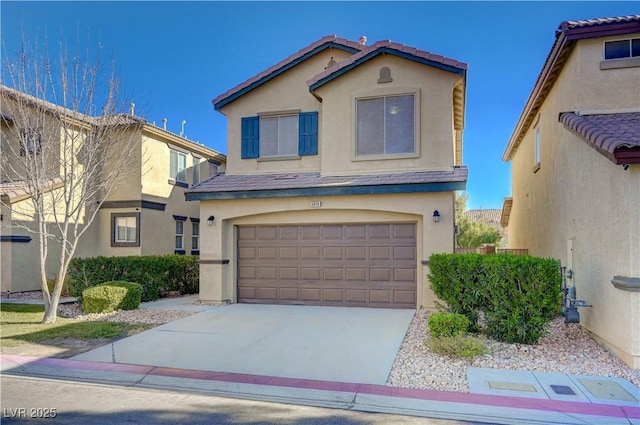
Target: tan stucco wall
(578, 195)
(289, 91)
(218, 281)
(433, 90)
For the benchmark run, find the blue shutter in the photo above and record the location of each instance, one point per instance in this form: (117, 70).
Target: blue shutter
(308, 133)
(250, 147)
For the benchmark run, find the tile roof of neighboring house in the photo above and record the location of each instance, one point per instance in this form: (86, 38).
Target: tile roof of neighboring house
(489, 215)
(223, 186)
(567, 34)
(17, 190)
(285, 64)
(389, 47)
(610, 134)
(109, 120)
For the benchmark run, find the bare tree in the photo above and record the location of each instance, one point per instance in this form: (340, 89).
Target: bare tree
(68, 144)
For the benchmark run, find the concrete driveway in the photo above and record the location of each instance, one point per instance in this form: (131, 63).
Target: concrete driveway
(356, 345)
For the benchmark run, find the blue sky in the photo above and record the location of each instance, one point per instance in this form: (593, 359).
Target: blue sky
(175, 57)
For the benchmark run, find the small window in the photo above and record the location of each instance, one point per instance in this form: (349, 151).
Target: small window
(178, 166)
(279, 135)
(213, 169)
(179, 235)
(196, 171)
(30, 142)
(385, 125)
(536, 159)
(195, 236)
(125, 230)
(622, 49)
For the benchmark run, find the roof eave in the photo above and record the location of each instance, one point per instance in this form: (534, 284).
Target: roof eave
(219, 103)
(329, 191)
(384, 50)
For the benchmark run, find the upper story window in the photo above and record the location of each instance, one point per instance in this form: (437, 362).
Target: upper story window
(385, 125)
(196, 170)
(30, 142)
(178, 166)
(281, 135)
(536, 152)
(620, 49)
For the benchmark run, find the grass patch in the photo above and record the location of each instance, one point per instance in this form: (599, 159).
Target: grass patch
(21, 323)
(461, 346)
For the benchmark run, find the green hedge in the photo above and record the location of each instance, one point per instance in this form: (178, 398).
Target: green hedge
(156, 274)
(519, 295)
(111, 296)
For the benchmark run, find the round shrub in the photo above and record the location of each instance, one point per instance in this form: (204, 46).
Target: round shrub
(448, 324)
(111, 296)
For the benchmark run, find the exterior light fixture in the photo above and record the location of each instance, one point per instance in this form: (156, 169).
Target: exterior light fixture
(436, 216)
(210, 220)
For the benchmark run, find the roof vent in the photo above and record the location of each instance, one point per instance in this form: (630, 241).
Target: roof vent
(132, 108)
(164, 123)
(363, 40)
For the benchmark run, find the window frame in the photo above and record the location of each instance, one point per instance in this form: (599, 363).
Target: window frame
(385, 93)
(114, 228)
(630, 42)
(30, 141)
(261, 141)
(196, 171)
(195, 237)
(179, 236)
(537, 145)
(177, 175)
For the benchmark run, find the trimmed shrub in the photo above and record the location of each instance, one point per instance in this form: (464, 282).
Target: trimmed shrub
(157, 274)
(448, 324)
(462, 346)
(519, 295)
(111, 296)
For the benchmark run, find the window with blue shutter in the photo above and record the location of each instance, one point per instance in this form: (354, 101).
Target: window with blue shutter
(308, 133)
(250, 147)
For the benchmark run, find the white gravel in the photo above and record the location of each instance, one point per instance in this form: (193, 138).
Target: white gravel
(566, 349)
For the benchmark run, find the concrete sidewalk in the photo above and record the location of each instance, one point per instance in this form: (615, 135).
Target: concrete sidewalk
(361, 397)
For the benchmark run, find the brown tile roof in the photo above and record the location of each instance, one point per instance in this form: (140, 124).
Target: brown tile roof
(566, 35)
(608, 133)
(272, 71)
(223, 183)
(488, 216)
(386, 46)
(13, 191)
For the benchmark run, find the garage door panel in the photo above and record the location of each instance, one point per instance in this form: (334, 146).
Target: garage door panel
(345, 265)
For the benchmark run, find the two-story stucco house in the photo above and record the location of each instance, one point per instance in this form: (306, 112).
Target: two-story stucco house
(146, 214)
(343, 160)
(575, 155)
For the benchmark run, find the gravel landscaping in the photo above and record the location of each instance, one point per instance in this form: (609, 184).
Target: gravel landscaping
(566, 349)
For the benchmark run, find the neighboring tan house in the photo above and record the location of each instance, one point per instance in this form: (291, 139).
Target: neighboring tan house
(147, 214)
(339, 157)
(575, 155)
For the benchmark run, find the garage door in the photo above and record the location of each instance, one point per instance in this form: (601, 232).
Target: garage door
(372, 265)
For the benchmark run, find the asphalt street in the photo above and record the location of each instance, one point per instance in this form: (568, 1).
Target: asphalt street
(27, 400)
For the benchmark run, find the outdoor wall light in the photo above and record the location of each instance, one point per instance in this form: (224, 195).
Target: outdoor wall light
(436, 216)
(210, 220)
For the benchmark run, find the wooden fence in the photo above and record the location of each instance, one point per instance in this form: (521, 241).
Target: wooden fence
(490, 249)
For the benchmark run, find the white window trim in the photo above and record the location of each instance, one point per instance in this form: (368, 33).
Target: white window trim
(179, 235)
(388, 91)
(278, 115)
(629, 39)
(195, 237)
(178, 153)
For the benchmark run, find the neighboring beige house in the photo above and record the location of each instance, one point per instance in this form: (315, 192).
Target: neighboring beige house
(339, 157)
(575, 155)
(147, 214)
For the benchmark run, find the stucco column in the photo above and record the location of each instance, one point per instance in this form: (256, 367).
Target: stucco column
(212, 263)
